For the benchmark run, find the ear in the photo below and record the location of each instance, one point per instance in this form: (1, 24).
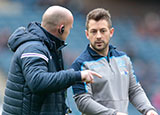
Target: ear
(61, 29)
(111, 32)
(86, 32)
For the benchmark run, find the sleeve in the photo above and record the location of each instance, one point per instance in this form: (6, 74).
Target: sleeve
(39, 80)
(86, 104)
(84, 99)
(137, 95)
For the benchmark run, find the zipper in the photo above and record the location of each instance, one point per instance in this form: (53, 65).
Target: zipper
(108, 60)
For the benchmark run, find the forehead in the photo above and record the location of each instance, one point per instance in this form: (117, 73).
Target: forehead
(98, 24)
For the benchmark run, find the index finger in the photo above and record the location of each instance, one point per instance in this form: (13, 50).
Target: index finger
(96, 74)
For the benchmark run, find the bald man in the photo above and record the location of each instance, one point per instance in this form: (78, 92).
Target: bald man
(36, 81)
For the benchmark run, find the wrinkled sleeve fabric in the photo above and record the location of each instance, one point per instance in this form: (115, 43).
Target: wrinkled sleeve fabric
(88, 106)
(38, 79)
(137, 95)
(84, 100)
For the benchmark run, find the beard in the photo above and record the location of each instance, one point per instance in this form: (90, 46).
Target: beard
(99, 47)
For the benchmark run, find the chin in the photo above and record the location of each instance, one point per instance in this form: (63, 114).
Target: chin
(98, 49)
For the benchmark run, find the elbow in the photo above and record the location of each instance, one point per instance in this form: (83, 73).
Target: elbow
(34, 88)
(81, 102)
(80, 107)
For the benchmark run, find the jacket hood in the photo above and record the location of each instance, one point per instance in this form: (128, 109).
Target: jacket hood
(22, 35)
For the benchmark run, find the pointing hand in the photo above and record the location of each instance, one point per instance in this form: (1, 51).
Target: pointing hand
(87, 76)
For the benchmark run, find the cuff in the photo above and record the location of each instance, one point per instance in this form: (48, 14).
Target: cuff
(78, 75)
(149, 110)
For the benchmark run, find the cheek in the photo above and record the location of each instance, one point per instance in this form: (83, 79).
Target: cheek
(92, 40)
(66, 33)
(90, 37)
(108, 35)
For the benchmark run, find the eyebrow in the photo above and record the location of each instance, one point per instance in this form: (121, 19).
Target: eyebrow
(96, 29)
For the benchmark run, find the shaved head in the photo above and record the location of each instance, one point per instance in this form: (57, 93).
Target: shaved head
(55, 16)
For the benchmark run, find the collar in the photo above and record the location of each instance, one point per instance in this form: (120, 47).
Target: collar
(57, 43)
(96, 55)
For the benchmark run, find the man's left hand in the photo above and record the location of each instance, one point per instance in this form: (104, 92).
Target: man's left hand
(151, 112)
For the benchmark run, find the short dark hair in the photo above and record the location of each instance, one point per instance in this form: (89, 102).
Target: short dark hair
(99, 14)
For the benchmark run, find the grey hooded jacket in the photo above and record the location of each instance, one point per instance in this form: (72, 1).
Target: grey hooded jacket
(111, 93)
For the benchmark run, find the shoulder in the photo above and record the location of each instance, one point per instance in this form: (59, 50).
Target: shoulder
(121, 56)
(118, 53)
(33, 49)
(33, 46)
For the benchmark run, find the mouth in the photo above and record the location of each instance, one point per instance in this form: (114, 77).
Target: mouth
(99, 43)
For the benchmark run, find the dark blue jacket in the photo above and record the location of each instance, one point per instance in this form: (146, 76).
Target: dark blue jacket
(35, 84)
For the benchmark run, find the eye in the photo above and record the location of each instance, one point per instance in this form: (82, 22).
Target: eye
(93, 31)
(103, 30)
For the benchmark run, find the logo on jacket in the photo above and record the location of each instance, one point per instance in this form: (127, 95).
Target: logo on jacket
(122, 66)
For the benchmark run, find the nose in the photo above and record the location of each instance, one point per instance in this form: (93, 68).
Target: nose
(99, 34)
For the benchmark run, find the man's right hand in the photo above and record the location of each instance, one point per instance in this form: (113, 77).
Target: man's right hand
(87, 76)
(119, 113)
